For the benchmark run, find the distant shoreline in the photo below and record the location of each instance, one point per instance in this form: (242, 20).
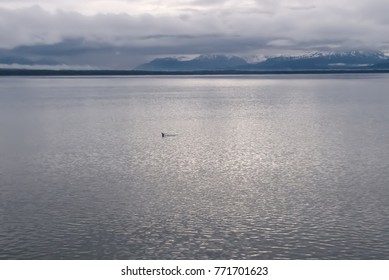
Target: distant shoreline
(28, 72)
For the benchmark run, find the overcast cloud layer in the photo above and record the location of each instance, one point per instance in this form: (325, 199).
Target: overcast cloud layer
(125, 33)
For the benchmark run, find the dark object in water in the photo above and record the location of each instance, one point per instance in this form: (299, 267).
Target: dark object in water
(166, 134)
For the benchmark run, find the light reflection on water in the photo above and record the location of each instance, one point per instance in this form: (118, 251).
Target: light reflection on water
(269, 167)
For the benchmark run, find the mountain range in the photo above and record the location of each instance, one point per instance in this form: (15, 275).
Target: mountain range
(352, 60)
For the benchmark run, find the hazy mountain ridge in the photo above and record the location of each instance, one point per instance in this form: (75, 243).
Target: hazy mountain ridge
(9, 60)
(202, 62)
(43, 58)
(312, 61)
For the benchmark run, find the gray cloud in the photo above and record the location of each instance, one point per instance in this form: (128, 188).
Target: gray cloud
(134, 31)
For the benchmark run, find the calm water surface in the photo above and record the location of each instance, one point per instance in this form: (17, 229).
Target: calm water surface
(262, 167)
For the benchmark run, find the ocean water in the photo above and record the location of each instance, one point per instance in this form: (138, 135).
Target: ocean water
(261, 167)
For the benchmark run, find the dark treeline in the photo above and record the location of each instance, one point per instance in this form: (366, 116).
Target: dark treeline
(28, 72)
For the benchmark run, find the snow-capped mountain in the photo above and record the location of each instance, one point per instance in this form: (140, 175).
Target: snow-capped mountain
(311, 61)
(322, 61)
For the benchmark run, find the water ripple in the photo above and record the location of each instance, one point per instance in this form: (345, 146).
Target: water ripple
(261, 168)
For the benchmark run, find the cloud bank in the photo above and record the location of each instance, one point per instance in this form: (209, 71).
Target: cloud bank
(124, 33)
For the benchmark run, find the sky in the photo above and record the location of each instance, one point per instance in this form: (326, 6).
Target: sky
(121, 34)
